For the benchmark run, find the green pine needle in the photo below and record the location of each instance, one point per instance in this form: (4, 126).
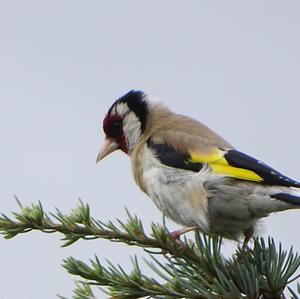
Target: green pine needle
(195, 269)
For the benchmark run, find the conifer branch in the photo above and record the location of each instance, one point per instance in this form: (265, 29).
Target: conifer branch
(197, 271)
(80, 225)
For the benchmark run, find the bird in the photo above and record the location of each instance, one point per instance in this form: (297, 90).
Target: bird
(193, 175)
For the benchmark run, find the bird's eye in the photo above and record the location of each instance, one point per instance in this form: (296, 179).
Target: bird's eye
(115, 128)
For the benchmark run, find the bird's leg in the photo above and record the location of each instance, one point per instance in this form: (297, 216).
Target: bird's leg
(177, 233)
(248, 235)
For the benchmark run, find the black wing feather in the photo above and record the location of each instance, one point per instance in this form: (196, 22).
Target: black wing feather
(269, 175)
(169, 156)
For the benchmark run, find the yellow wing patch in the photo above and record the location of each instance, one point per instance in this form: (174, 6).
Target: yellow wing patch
(234, 172)
(219, 165)
(217, 154)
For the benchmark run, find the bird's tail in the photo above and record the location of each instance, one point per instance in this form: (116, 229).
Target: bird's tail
(292, 197)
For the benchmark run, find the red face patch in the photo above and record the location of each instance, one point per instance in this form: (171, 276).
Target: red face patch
(109, 123)
(113, 128)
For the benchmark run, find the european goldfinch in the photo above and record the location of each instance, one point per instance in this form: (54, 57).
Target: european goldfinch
(194, 176)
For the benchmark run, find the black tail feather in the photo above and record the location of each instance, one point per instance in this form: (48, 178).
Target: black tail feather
(288, 198)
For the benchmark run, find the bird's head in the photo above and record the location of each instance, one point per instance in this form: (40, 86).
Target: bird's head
(124, 123)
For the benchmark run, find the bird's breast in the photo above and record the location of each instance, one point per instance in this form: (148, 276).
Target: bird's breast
(180, 194)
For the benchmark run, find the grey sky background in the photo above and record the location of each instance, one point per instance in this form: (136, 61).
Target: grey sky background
(234, 65)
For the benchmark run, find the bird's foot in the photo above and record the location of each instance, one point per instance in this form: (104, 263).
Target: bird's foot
(176, 234)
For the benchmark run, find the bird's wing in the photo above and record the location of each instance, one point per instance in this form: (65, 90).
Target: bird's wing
(191, 152)
(235, 164)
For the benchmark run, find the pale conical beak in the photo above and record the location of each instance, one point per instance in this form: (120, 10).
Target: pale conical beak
(108, 147)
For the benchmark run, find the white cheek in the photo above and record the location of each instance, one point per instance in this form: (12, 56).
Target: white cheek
(122, 109)
(132, 130)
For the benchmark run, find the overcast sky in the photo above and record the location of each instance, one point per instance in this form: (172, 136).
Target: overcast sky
(234, 65)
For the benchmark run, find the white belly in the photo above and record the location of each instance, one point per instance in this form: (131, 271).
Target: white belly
(177, 193)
